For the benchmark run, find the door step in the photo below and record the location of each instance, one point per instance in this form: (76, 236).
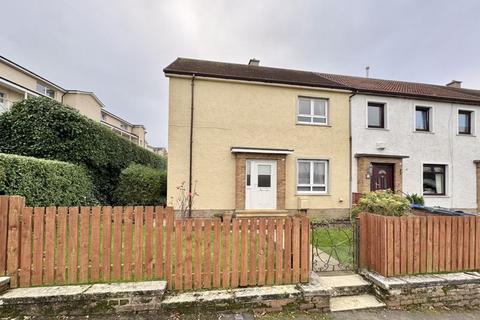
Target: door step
(4, 284)
(346, 285)
(357, 302)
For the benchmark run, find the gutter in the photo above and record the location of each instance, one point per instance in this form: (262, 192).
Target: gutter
(350, 171)
(190, 174)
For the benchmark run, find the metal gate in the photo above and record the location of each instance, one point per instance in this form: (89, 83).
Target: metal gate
(334, 246)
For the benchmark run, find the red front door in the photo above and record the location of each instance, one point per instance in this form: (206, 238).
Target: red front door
(382, 177)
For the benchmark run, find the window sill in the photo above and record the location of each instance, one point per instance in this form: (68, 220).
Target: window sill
(378, 129)
(424, 132)
(298, 194)
(466, 135)
(313, 124)
(436, 196)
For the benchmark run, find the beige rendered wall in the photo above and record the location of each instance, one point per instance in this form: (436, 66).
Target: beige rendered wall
(237, 114)
(22, 79)
(11, 95)
(85, 104)
(139, 130)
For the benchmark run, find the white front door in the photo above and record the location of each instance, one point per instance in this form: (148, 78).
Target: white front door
(261, 184)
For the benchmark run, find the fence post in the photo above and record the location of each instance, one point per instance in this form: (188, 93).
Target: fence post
(15, 207)
(3, 233)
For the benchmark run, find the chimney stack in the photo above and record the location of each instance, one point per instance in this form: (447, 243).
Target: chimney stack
(454, 84)
(253, 62)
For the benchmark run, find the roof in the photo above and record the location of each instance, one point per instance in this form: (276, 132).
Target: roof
(406, 89)
(183, 66)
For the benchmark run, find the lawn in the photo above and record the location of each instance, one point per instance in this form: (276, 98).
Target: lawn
(337, 241)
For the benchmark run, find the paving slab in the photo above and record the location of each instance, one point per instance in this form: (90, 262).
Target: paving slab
(43, 294)
(265, 293)
(384, 282)
(353, 280)
(365, 301)
(460, 277)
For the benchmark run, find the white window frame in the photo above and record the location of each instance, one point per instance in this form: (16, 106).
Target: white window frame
(430, 117)
(385, 115)
(311, 184)
(312, 115)
(473, 122)
(45, 89)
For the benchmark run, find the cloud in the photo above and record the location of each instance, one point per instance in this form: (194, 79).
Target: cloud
(118, 48)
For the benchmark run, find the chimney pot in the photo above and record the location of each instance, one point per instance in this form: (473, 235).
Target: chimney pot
(454, 84)
(253, 62)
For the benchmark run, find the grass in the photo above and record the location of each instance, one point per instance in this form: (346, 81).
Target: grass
(336, 241)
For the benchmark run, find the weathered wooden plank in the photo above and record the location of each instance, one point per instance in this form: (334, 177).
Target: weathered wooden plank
(207, 248)
(262, 234)
(429, 244)
(252, 277)
(441, 246)
(472, 243)
(410, 245)
(305, 250)
(117, 243)
(127, 242)
(279, 270)
(448, 243)
(403, 245)
(216, 253)
(95, 245)
(106, 242)
(72, 243)
(168, 246)
(38, 231)
(460, 244)
(197, 278)
(416, 244)
(84, 241)
(179, 254)
(477, 243)
(226, 253)
(466, 242)
(271, 252)
(15, 207)
(3, 233)
(26, 249)
(149, 234)
(454, 243)
(390, 247)
(188, 254)
(288, 251)
(49, 271)
(244, 253)
(235, 253)
(423, 244)
(138, 240)
(397, 248)
(159, 227)
(296, 250)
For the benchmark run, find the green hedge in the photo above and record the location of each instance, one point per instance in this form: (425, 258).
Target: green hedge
(141, 185)
(45, 182)
(44, 128)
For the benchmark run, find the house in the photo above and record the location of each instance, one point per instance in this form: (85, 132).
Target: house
(416, 138)
(250, 138)
(18, 83)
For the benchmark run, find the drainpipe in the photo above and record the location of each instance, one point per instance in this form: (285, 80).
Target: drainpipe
(191, 148)
(350, 147)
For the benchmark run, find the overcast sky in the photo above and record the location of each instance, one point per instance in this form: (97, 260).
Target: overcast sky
(118, 48)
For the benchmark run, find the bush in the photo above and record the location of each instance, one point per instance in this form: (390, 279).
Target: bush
(141, 185)
(414, 198)
(44, 128)
(45, 182)
(382, 202)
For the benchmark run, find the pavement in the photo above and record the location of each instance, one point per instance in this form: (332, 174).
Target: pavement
(354, 315)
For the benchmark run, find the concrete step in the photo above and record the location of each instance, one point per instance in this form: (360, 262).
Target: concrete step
(346, 285)
(358, 302)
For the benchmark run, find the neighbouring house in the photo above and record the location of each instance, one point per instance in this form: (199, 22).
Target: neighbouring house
(251, 138)
(18, 83)
(415, 138)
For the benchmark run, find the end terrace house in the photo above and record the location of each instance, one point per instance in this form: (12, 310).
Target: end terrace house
(250, 138)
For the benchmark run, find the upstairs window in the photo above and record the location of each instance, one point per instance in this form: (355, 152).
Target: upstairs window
(464, 122)
(422, 118)
(312, 176)
(43, 89)
(312, 111)
(376, 115)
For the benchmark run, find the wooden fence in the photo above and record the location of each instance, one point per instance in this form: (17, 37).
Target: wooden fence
(413, 245)
(43, 246)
